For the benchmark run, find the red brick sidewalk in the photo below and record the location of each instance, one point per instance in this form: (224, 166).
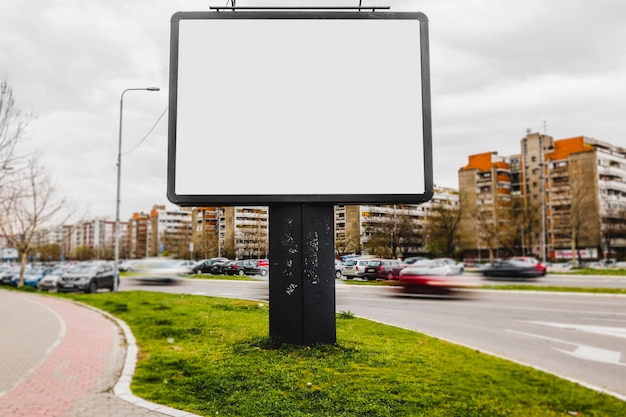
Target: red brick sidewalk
(76, 376)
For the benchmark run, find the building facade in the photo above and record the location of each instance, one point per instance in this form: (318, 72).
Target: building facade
(554, 199)
(356, 226)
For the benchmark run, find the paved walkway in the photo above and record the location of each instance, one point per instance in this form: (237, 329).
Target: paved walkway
(61, 359)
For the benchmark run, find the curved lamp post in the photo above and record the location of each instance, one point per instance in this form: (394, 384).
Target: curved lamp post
(116, 273)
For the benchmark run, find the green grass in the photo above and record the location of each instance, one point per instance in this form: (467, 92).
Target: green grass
(213, 357)
(593, 271)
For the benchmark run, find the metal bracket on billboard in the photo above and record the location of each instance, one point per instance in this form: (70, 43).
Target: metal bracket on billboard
(303, 8)
(233, 7)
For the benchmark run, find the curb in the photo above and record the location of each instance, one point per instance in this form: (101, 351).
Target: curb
(122, 387)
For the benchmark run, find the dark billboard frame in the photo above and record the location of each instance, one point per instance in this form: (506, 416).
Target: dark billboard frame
(205, 173)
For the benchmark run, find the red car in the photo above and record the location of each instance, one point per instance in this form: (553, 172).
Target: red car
(383, 268)
(432, 277)
(263, 262)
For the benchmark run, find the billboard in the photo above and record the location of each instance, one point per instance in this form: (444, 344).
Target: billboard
(271, 107)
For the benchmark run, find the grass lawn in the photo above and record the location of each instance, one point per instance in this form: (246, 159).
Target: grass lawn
(213, 357)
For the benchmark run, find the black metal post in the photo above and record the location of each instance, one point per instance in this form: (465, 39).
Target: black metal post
(302, 278)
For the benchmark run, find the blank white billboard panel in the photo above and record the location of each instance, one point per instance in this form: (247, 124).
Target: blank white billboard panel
(273, 107)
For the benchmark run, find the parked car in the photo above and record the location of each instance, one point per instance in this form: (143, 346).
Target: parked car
(265, 263)
(218, 267)
(436, 277)
(204, 267)
(457, 267)
(87, 277)
(414, 259)
(6, 276)
(509, 268)
(338, 267)
(244, 267)
(354, 268)
(49, 282)
(32, 276)
(383, 268)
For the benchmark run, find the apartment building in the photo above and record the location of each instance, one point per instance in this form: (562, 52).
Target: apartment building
(244, 232)
(554, 199)
(356, 225)
(204, 232)
(169, 230)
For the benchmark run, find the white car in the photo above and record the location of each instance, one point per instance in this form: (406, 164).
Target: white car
(431, 267)
(354, 268)
(457, 267)
(338, 269)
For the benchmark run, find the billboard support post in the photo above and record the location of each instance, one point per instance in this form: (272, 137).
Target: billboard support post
(302, 282)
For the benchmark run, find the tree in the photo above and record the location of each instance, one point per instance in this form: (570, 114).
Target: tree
(391, 231)
(613, 227)
(443, 230)
(30, 203)
(584, 214)
(12, 126)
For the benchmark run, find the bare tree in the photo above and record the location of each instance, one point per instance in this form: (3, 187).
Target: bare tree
(613, 227)
(584, 214)
(392, 235)
(12, 126)
(29, 202)
(443, 230)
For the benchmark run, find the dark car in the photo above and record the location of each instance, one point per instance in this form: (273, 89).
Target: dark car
(513, 269)
(87, 277)
(204, 267)
(383, 268)
(218, 267)
(244, 267)
(7, 276)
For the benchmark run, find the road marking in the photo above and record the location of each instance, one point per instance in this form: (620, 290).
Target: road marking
(595, 354)
(604, 330)
(582, 351)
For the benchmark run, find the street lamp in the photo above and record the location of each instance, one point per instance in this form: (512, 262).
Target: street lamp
(119, 182)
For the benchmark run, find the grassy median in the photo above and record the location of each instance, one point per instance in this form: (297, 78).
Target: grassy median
(213, 357)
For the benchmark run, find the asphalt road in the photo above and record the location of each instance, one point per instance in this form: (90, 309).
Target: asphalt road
(580, 337)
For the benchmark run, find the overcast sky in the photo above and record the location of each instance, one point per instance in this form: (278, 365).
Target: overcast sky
(498, 68)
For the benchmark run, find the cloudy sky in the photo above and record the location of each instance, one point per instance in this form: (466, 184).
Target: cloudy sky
(498, 68)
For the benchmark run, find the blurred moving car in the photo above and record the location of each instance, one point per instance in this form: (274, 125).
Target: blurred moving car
(125, 266)
(204, 267)
(354, 268)
(159, 271)
(532, 261)
(383, 268)
(88, 277)
(244, 267)
(511, 268)
(434, 277)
